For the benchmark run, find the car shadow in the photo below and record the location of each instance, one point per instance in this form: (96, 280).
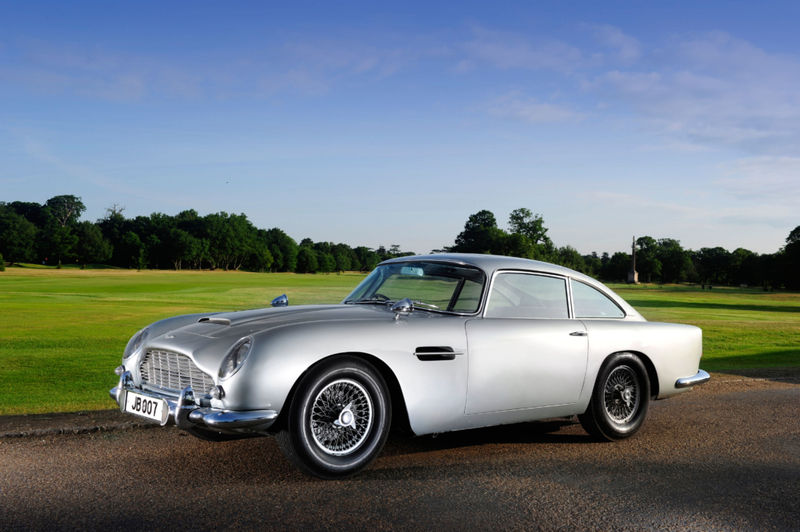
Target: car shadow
(546, 431)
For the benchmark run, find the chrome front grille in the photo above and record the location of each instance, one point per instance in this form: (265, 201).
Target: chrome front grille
(173, 372)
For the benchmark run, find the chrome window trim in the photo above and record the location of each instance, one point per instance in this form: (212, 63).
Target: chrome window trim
(624, 314)
(567, 286)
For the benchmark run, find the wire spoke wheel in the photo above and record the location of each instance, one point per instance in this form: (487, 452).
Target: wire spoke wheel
(622, 394)
(341, 417)
(620, 399)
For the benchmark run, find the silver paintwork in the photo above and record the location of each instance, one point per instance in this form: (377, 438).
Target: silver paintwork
(454, 370)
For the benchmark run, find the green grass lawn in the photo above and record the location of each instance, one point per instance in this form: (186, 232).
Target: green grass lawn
(63, 331)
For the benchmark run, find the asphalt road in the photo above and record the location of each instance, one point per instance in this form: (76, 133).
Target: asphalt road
(724, 457)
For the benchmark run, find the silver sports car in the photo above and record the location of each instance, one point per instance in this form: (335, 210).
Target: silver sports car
(427, 344)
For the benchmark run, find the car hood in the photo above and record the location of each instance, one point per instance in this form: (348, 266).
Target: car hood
(207, 337)
(247, 322)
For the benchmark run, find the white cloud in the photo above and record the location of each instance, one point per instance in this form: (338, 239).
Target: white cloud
(772, 179)
(514, 106)
(507, 51)
(715, 90)
(629, 49)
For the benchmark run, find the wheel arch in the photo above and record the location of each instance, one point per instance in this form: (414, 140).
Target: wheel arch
(652, 374)
(400, 421)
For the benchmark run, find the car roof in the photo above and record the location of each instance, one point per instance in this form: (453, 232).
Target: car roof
(491, 263)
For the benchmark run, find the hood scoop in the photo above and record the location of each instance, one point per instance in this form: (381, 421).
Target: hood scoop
(217, 321)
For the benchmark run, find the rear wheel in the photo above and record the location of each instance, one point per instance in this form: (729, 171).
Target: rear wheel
(338, 419)
(620, 399)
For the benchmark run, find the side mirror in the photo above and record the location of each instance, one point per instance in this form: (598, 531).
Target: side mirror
(280, 301)
(402, 308)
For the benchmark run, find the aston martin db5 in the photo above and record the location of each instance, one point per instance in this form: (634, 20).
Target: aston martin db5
(427, 344)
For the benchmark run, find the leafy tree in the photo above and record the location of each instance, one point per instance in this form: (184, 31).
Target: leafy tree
(648, 263)
(794, 236)
(65, 209)
(134, 250)
(569, 257)
(367, 258)
(58, 240)
(617, 267)
(593, 265)
(261, 259)
(284, 250)
(326, 261)
(2, 263)
(114, 226)
(178, 246)
(515, 245)
(307, 260)
(342, 261)
(91, 247)
(791, 260)
(674, 259)
(17, 236)
(524, 222)
(480, 235)
(231, 239)
(713, 265)
(37, 214)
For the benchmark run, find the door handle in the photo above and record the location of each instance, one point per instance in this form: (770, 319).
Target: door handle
(579, 333)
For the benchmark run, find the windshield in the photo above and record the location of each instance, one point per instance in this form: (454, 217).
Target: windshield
(430, 285)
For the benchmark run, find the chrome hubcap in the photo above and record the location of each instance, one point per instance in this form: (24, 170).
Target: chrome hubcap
(341, 417)
(621, 394)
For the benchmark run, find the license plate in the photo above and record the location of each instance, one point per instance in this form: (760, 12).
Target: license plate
(149, 407)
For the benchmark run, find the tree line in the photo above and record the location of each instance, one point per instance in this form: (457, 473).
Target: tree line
(52, 233)
(657, 260)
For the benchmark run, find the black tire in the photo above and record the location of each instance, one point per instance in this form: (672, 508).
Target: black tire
(620, 399)
(338, 420)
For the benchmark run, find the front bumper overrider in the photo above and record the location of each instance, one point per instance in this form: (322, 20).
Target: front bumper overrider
(186, 413)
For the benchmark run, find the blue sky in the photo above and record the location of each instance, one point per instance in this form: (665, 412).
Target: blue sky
(390, 123)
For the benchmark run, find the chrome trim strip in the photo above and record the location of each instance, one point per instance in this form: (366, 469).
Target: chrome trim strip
(700, 378)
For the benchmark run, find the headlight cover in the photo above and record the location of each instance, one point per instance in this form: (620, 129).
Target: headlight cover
(234, 358)
(136, 342)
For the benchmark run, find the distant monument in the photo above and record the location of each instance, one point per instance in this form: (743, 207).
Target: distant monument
(633, 275)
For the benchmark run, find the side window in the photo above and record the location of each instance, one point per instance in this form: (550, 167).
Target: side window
(591, 303)
(521, 295)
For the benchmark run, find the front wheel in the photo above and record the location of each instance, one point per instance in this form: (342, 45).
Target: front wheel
(338, 419)
(620, 399)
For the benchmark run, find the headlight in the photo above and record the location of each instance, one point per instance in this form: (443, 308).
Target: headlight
(234, 358)
(136, 342)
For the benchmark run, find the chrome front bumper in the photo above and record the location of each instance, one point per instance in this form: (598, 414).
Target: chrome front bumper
(686, 382)
(185, 413)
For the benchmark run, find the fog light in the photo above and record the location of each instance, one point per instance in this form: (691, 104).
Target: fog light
(216, 392)
(119, 370)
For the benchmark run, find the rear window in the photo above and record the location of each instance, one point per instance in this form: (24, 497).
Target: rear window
(592, 303)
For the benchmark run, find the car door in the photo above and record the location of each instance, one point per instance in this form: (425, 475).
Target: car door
(526, 351)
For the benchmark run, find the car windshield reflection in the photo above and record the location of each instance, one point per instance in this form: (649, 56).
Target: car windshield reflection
(434, 286)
